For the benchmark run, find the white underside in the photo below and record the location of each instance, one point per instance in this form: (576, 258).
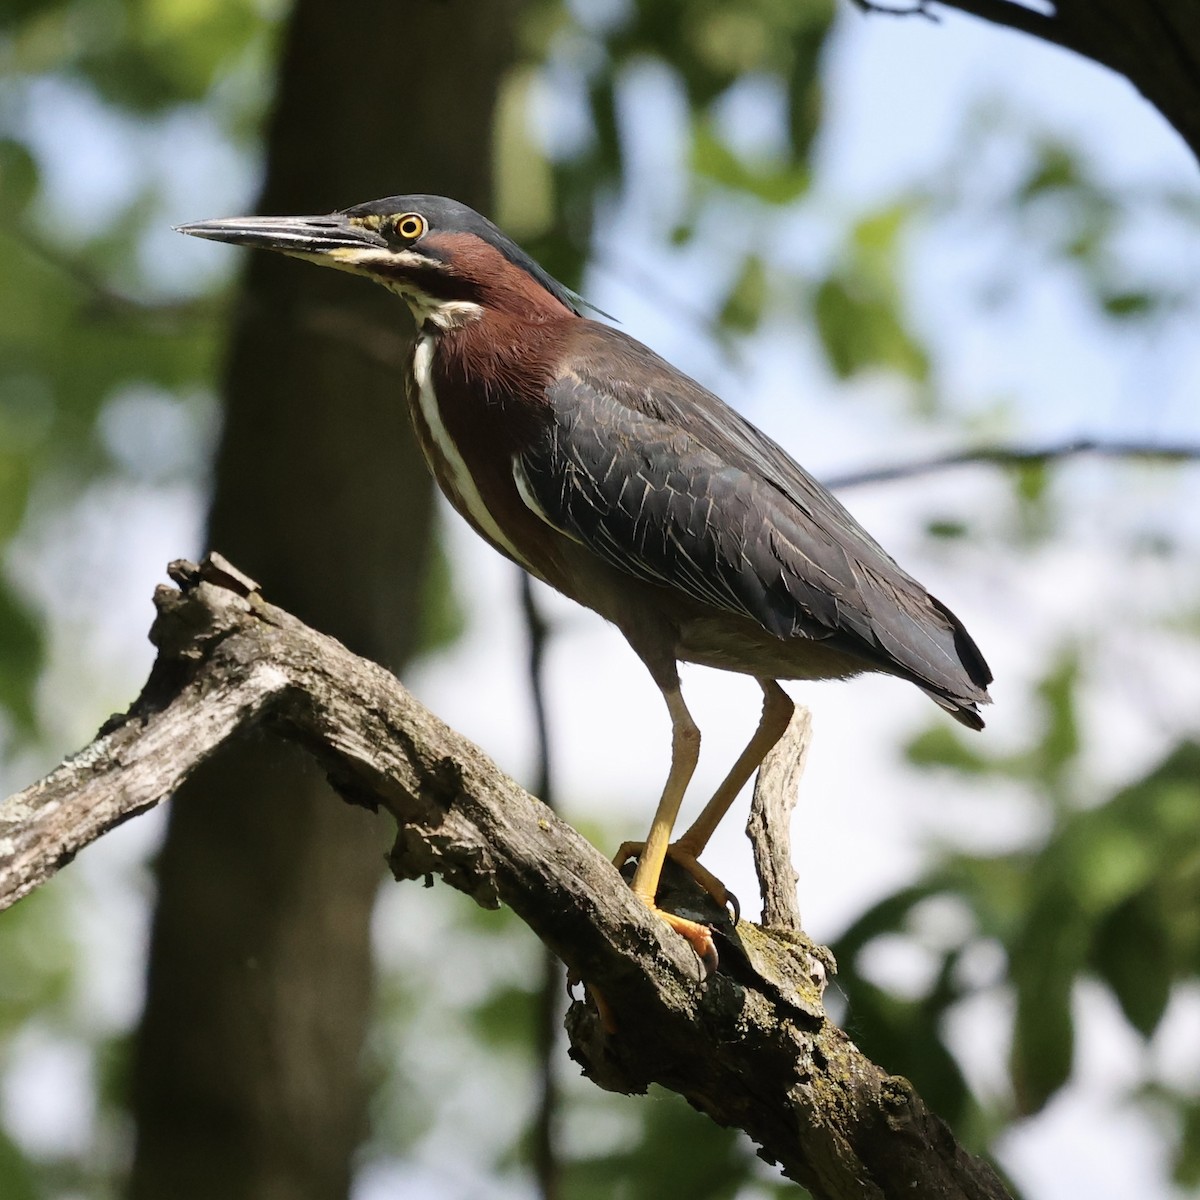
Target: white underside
(465, 493)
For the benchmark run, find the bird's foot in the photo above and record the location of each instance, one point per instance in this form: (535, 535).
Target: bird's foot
(698, 936)
(692, 865)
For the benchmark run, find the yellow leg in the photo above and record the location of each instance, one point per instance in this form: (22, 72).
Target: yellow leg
(685, 752)
(776, 713)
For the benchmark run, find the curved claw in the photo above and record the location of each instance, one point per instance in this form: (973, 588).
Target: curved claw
(607, 1021)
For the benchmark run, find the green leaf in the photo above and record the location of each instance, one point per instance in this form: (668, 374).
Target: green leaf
(1056, 168)
(1187, 1156)
(1032, 480)
(860, 330)
(837, 316)
(1059, 745)
(940, 746)
(1132, 955)
(876, 240)
(860, 327)
(776, 182)
(746, 301)
(905, 1038)
(806, 93)
(18, 1180)
(22, 651)
(1130, 304)
(38, 958)
(1045, 963)
(18, 179)
(947, 529)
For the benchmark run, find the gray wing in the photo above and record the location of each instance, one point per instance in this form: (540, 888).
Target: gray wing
(671, 486)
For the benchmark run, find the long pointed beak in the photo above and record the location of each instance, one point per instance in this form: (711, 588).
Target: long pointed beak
(305, 236)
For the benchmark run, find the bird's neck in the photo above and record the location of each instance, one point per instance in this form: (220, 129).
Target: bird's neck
(494, 305)
(498, 356)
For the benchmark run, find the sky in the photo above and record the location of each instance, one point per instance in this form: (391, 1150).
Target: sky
(899, 93)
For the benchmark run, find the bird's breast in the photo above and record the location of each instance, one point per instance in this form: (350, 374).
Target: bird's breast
(468, 435)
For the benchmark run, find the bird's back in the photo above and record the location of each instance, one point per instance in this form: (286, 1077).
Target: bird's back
(668, 483)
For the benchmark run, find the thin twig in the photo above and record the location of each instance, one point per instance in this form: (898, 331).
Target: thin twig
(1019, 456)
(546, 1163)
(915, 8)
(105, 301)
(537, 630)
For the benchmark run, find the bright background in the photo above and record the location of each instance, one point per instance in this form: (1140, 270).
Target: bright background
(936, 128)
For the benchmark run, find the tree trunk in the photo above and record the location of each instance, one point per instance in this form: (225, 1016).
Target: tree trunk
(247, 1079)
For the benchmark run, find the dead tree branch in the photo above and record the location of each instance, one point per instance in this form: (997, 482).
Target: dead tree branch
(750, 1046)
(769, 826)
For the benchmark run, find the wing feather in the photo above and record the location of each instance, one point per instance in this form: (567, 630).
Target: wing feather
(668, 484)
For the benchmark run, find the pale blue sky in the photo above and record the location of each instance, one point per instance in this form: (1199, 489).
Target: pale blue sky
(899, 92)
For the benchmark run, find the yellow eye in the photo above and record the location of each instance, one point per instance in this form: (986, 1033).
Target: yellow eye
(410, 226)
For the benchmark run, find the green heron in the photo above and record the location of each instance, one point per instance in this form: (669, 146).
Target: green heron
(611, 476)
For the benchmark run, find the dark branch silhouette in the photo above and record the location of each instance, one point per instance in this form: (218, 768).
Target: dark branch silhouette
(546, 1161)
(1019, 456)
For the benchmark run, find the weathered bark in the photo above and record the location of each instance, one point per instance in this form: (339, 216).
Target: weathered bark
(751, 1045)
(246, 1081)
(775, 794)
(1155, 44)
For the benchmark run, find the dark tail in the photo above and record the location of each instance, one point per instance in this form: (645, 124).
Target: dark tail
(963, 707)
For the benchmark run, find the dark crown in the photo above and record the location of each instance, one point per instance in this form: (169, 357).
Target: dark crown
(451, 216)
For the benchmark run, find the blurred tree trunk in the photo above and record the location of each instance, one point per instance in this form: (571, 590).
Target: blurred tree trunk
(247, 1077)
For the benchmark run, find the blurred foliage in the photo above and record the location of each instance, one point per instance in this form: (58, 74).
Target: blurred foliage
(43, 1018)
(859, 307)
(70, 337)
(678, 1152)
(1183, 1112)
(106, 373)
(138, 56)
(88, 317)
(1107, 893)
(1059, 212)
(706, 52)
(38, 958)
